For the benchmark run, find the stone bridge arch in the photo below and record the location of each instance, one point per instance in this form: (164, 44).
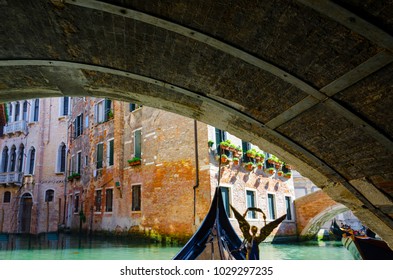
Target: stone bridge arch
(313, 211)
(309, 81)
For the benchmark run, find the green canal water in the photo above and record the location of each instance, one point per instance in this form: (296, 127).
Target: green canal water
(67, 247)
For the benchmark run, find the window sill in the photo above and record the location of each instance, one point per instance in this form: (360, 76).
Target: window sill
(136, 212)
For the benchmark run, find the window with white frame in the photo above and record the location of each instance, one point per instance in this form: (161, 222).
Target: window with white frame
(110, 150)
(61, 158)
(288, 206)
(136, 198)
(103, 110)
(4, 160)
(72, 164)
(78, 162)
(97, 201)
(78, 126)
(36, 110)
(13, 159)
(21, 155)
(76, 203)
(31, 160)
(64, 106)
(226, 199)
(138, 143)
(17, 111)
(24, 111)
(250, 200)
(99, 155)
(108, 200)
(271, 203)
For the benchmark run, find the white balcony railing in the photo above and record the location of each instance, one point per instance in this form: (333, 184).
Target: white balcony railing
(11, 178)
(14, 127)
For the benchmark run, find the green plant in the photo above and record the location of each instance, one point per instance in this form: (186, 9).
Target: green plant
(249, 165)
(134, 160)
(210, 143)
(270, 171)
(110, 114)
(224, 144)
(251, 152)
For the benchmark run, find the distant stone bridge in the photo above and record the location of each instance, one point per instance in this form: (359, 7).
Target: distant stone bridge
(314, 210)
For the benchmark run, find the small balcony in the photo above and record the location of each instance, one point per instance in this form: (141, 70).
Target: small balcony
(11, 178)
(16, 127)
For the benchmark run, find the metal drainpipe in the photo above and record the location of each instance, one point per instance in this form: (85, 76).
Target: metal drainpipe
(196, 166)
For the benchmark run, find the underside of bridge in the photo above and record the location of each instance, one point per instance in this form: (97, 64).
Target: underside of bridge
(310, 81)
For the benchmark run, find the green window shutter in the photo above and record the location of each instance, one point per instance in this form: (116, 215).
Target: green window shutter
(138, 143)
(100, 155)
(111, 152)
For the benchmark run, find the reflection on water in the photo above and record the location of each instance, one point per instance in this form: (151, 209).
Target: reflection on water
(310, 250)
(67, 247)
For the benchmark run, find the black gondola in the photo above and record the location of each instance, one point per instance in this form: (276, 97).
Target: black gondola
(367, 248)
(336, 230)
(215, 239)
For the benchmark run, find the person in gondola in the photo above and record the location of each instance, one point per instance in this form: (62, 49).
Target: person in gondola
(251, 239)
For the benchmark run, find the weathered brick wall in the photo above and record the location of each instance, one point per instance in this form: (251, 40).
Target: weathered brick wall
(310, 206)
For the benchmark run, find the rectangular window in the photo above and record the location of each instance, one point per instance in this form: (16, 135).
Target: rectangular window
(272, 207)
(111, 152)
(108, 200)
(100, 155)
(133, 107)
(245, 147)
(136, 198)
(137, 143)
(251, 203)
(78, 125)
(76, 203)
(288, 203)
(78, 162)
(221, 135)
(225, 200)
(100, 112)
(104, 110)
(64, 106)
(97, 201)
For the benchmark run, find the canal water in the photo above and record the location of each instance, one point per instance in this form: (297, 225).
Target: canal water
(68, 247)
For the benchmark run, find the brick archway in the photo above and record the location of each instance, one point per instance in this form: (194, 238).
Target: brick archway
(314, 210)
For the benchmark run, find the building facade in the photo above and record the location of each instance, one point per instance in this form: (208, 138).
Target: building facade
(32, 166)
(148, 171)
(122, 168)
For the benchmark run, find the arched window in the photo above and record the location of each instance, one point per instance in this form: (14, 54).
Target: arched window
(9, 112)
(31, 160)
(61, 158)
(36, 110)
(13, 159)
(17, 111)
(20, 158)
(49, 195)
(24, 114)
(4, 161)
(7, 197)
